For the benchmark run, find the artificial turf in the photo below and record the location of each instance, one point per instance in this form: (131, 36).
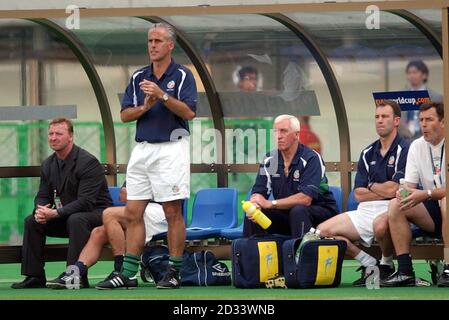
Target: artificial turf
(11, 272)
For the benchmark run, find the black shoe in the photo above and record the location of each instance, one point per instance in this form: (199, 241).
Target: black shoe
(170, 280)
(361, 282)
(435, 270)
(385, 271)
(399, 279)
(30, 282)
(443, 279)
(111, 275)
(118, 281)
(66, 281)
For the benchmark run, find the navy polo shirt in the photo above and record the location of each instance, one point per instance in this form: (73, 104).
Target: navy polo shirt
(373, 167)
(306, 175)
(158, 123)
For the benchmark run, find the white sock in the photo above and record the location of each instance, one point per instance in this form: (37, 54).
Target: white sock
(387, 260)
(365, 259)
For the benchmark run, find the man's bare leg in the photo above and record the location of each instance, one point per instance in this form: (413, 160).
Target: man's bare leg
(92, 250)
(115, 223)
(383, 237)
(135, 236)
(176, 235)
(341, 227)
(112, 231)
(401, 235)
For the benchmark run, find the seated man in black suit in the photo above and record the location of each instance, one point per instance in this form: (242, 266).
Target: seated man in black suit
(72, 196)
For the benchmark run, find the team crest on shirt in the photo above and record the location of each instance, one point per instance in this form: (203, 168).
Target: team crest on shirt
(391, 160)
(296, 175)
(175, 189)
(171, 85)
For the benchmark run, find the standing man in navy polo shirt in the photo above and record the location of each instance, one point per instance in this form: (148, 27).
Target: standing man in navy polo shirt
(162, 98)
(295, 175)
(381, 166)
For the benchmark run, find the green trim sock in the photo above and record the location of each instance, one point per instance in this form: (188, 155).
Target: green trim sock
(176, 262)
(130, 265)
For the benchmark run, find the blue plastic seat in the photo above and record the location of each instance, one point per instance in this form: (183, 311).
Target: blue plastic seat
(336, 191)
(352, 202)
(115, 192)
(233, 233)
(237, 232)
(213, 210)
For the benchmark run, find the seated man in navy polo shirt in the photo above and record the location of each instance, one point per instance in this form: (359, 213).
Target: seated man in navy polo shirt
(381, 166)
(295, 175)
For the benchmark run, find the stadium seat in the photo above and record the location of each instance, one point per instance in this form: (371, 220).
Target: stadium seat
(233, 233)
(336, 191)
(115, 192)
(237, 232)
(213, 210)
(352, 202)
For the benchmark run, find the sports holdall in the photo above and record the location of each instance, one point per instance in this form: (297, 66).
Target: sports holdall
(256, 259)
(203, 269)
(319, 264)
(198, 268)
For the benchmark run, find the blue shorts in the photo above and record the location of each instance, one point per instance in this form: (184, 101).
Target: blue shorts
(433, 208)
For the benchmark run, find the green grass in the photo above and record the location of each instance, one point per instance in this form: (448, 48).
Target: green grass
(11, 272)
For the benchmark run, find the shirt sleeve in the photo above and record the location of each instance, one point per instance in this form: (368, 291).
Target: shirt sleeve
(310, 180)
(361, 177)
(402, 161)
(128, 99)
(187, 92)
(260, 186)
(44, 195)
(412, 168)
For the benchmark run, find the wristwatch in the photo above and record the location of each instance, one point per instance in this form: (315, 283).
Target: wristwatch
(165, 97)
(429, 194)
(274, 203)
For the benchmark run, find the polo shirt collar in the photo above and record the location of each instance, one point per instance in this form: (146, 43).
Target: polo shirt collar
(296, 158)
(171, 68)
(394, 144)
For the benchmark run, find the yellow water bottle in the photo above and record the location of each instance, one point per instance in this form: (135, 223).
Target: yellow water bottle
(256, 214)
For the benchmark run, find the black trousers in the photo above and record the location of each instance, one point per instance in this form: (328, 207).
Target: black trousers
(293, 222)
(76, 227)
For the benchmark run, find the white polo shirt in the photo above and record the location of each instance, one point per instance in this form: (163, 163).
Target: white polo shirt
(419, 167)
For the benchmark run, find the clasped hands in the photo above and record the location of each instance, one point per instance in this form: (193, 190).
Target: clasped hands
(45, 213)
(152, 93)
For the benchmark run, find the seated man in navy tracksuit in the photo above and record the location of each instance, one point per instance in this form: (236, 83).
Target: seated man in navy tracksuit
(295, 175)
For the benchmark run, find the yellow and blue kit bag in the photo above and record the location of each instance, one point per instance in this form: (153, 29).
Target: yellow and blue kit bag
(256, 259)
(318, 265)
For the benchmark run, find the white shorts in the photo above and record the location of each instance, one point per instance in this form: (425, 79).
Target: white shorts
(155, 222)
(364, 216)
(159, 171)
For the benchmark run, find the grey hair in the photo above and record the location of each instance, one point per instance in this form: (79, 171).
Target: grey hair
(170, 30)
(294, 122)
